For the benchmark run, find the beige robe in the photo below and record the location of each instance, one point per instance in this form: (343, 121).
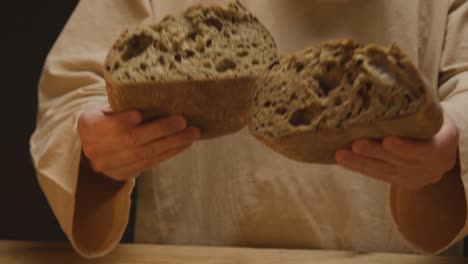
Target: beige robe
(233, 191)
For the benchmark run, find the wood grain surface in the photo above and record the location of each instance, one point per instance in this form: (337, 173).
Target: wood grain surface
(13, 252)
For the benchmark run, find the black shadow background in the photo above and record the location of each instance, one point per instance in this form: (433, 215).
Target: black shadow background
(31, 29)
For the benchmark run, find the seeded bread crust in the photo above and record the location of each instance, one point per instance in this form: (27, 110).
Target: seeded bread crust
(309, 104)
(201, 64)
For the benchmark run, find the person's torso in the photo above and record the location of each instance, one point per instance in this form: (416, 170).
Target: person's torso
(234, 191)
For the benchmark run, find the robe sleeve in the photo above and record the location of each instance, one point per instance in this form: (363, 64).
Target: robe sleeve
(434, 218)
(92, 210)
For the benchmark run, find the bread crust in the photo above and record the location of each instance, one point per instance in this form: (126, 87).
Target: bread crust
(217, 107)
(320, 146)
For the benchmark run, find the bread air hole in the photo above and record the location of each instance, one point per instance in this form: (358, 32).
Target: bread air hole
(242, 53)
(350, 79)
(143, 66)
(299, 67)
(255, 99)
(273, 64)
(267, 104)
(326, 86)
(337, 101)
(161, 60)
(348, 115)
(189, 53)
(178, 57)
(225, 65)
(400, 64)
(359, 62)
(345, 60)
(335, 53)
(281, 110)
(213, 22)
(162, 47)
(136, 46)
(293, 97)
(365, 94)
(192, 35)
(207, 64)
(329, 80)
(304, 116)
(121, 48)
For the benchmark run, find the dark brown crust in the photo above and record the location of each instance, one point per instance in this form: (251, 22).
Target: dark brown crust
(217, 107)
(320, 147)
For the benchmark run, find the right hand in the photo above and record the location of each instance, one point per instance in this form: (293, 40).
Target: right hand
(120, 147)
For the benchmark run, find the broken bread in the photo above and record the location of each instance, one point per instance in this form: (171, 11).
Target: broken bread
(309, 104)
(201, 64)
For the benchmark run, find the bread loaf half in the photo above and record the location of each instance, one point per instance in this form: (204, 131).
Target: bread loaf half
(309, 104)
(200, 64)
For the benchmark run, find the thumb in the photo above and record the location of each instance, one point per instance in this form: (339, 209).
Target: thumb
(106, 109)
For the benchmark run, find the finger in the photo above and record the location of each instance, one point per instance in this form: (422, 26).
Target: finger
(147, 152)
(154, 130)
(374, 150)
(104, 125)
(136, 169)
(418, 150)
(101, 133)
(371, 167)
(123, 121)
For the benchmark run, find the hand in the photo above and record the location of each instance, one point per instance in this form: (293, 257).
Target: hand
(411, 164)
(120, 147)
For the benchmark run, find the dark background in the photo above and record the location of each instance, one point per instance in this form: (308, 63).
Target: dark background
(33, 27)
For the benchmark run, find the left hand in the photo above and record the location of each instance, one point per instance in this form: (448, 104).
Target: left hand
(411, 164)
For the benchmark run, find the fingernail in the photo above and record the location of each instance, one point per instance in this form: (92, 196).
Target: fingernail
(180, 121)
(107, 110)
(135, 118)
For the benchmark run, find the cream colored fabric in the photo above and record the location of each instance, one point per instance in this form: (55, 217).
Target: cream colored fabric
(70, 83)
(233, 190)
